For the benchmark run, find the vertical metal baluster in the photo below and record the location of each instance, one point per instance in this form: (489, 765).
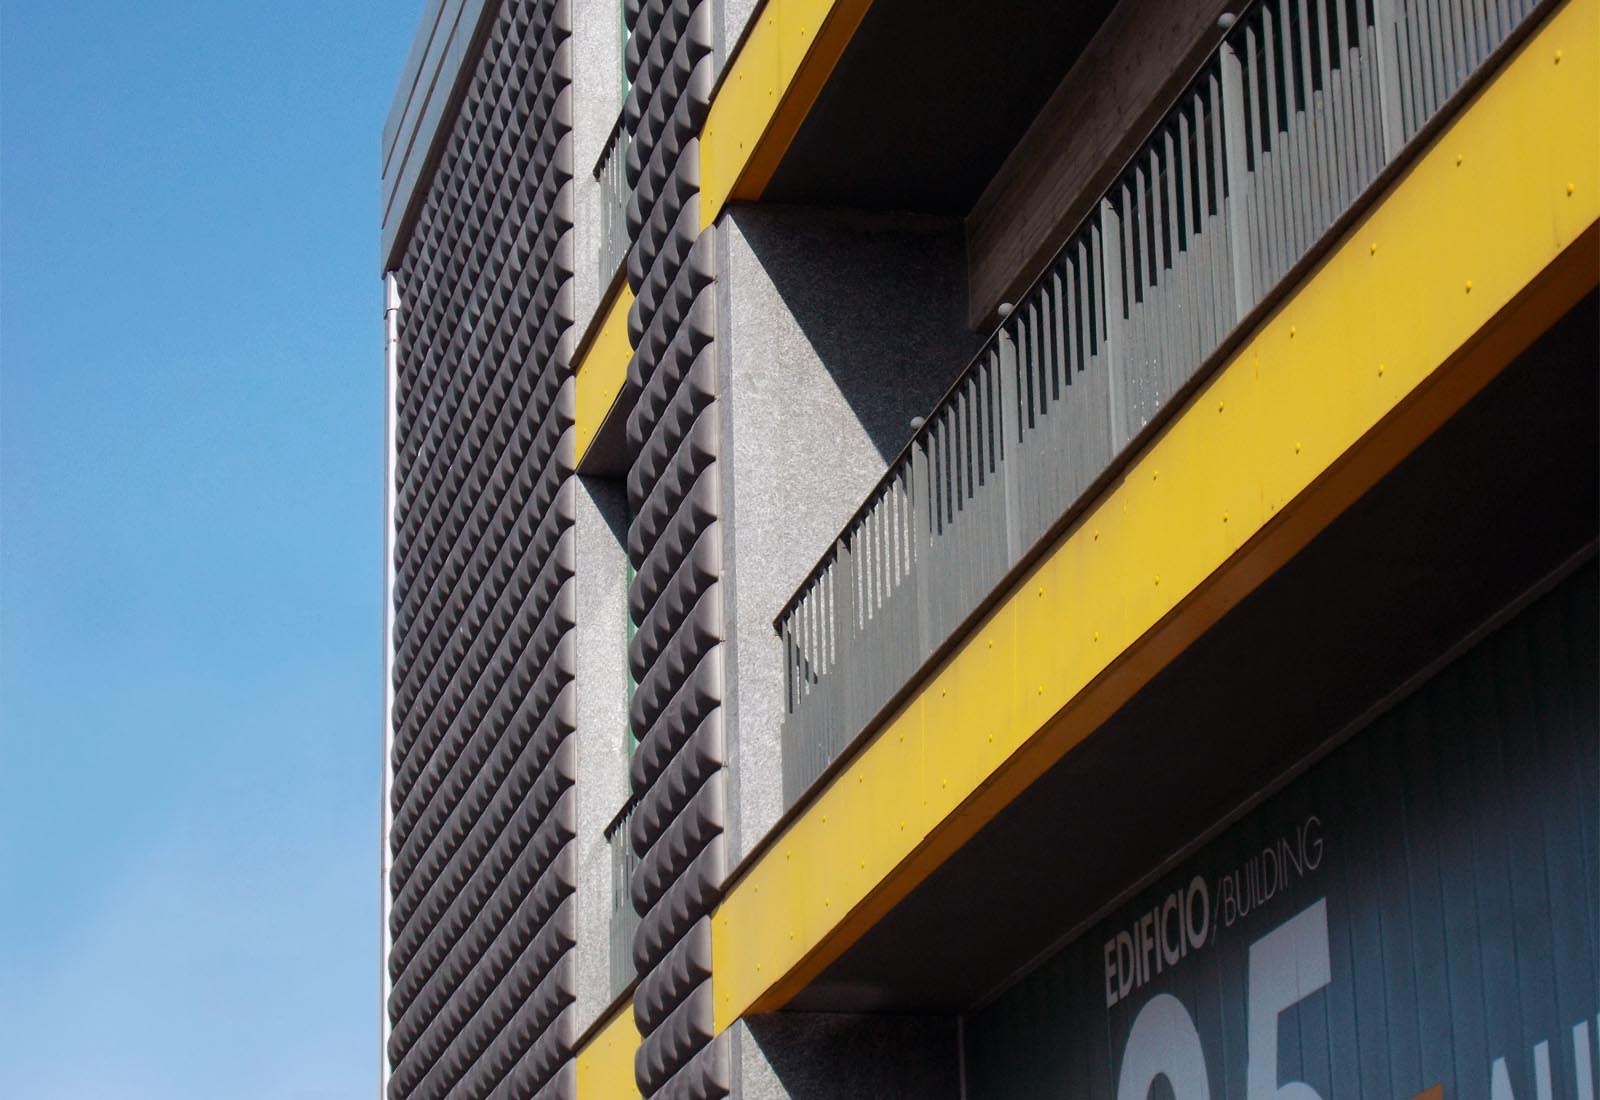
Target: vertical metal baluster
(1108, 240)
(1011, 431)
(1237, 181)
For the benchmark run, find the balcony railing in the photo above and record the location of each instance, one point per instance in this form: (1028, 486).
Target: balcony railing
(1295, 115)
(611, 172)
(624, 921)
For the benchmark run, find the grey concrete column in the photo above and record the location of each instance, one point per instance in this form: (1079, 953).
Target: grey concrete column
(601, 787)
(827, 1056)
(835, 329)
(596, 101)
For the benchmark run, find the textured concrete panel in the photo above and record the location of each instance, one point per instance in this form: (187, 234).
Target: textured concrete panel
(596, 101)
(837, 328)
(823, 1056)
(602, 696)
(482, 917)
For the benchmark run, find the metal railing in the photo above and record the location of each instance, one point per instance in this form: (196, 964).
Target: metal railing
(624, 921)
(611, 171)
(1297, 112)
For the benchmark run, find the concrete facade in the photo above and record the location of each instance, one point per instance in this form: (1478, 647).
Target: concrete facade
(837, 328)
(829, 1056)
(601, 781)
(878, 819)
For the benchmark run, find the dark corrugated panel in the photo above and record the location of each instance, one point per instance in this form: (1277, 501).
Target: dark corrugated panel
(1450, 854)
(482, 920)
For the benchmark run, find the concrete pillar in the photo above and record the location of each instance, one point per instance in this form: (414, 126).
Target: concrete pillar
(834, 330)
(600, 653)
(596, 46)
(827, 1056)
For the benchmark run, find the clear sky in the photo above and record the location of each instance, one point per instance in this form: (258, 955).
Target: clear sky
(191, 395)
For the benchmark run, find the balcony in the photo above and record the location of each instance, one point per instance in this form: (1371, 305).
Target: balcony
(1281, 134)
(624, 920)
(611, 173)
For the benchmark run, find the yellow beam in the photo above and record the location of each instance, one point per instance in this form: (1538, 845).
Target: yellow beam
(602, 369)
(1488, 238)
(605, 1063)
(769, 88)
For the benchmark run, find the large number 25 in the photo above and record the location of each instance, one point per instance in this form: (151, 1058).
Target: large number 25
(1286, 965)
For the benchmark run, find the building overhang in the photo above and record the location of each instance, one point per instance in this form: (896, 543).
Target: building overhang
(431, 83)
(1412, 312)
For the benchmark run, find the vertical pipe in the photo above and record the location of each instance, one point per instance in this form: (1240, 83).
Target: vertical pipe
(391, 363)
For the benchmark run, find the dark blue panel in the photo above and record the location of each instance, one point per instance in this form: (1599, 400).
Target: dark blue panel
(1415, 908)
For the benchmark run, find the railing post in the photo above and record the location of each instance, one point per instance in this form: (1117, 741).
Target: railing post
(1011, 440)
(1388, 61)
(1109, 244)
(922, 509)
(1238, 181)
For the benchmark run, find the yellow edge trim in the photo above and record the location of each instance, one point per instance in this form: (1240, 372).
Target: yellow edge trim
(769, 88)
(1486, 240)
(605, 1063)
(602, 371)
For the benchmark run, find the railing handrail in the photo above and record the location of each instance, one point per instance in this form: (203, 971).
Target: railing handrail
(905, 454)
(611, 143)
(620, 818)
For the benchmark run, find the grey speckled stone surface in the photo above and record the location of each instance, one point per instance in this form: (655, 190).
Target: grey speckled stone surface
(596, 102)
(600, 654)
(815, 1056)
(835, 329)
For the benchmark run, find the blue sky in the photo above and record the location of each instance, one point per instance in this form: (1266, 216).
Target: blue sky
(190, 527)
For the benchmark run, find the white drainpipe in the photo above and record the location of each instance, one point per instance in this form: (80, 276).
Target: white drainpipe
(391, 362)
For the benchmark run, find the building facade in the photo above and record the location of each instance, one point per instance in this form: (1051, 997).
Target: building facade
(978, 551)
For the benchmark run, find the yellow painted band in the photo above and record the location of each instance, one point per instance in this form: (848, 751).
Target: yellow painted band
(602, 370)
(1487, 239)
(770, 85)
(605, 1063)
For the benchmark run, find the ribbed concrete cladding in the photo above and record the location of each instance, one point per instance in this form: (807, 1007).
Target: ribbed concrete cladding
(481, 914)
(675, 656)
(1282, 130)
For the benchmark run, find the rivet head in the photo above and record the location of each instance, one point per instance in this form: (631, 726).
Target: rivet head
(1097, 635)
(1097, 536)
(1224, 517)
(1041, 689)
(1158, 580)
(1380, 370)
(1041, 590)
(1292, 331)
(1459, 160)
(1297, 448)
(1469, 286)
(991, 739)
(1219, 406)
(1571, 188)
(944, 783)
(1558, 57)
(1373, 249)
